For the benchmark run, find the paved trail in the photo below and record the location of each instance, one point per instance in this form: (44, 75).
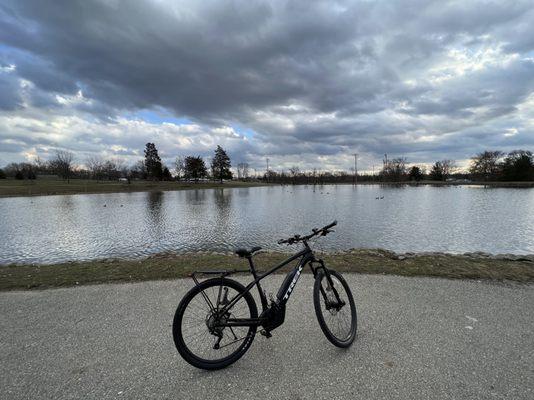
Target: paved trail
(419, 338)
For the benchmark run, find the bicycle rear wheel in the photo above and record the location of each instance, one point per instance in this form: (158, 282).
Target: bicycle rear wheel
(335, 308)
(196, 335)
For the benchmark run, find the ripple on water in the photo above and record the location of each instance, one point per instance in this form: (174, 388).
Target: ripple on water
(452, 219)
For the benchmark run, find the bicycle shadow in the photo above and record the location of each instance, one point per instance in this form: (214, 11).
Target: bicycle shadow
(270, 358)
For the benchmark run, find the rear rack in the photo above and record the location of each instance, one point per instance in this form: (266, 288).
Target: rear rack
(222, 273)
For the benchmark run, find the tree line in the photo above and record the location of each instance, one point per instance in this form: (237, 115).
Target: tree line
(151, 167)
(517, 165)
(60, 164)
(185, 168)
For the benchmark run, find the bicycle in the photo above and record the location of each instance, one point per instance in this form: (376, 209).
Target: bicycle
(216, 321)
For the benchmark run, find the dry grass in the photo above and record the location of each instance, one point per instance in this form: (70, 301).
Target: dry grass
(173, 266)
(43, 187)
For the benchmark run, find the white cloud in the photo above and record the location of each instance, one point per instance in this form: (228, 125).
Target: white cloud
(310, 83)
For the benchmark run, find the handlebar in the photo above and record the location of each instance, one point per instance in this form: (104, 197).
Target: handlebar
(325, 230)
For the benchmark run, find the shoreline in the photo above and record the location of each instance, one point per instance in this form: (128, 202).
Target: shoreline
(44, 187)
(37, 188)
(477, 265)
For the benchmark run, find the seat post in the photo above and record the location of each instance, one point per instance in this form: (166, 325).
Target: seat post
(251, 266)
(263, 297)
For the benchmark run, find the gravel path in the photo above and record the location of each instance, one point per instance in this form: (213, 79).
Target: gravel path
(418, 338)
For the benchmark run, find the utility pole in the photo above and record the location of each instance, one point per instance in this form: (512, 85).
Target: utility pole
(355, 180)
(267, 173)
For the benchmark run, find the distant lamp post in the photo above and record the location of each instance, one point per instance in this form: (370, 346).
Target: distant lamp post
(355, 178)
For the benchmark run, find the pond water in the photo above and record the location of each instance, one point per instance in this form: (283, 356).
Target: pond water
(454, 219)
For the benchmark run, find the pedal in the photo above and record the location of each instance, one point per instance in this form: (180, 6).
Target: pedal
(265, 333)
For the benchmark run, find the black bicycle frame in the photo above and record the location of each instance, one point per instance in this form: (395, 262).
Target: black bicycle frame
(284, 293)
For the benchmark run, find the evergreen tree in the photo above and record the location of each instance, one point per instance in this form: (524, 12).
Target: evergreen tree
(415, 173)
(166, 174)
(436, 173)
(194, 168)
(153, 165)
(220, 165)
(518, 166)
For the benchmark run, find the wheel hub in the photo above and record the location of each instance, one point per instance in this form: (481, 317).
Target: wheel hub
(213, 322)
(332, 305)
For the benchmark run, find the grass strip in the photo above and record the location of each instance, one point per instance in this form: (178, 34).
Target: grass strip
(173, 266)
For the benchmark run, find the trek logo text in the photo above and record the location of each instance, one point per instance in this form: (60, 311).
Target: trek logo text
(293, 283)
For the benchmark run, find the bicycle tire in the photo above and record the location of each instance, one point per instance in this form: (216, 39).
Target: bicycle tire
(177, 329)
(320, 311)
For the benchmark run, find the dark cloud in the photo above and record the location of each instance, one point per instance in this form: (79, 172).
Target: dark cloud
(10, 97)
(308, 79)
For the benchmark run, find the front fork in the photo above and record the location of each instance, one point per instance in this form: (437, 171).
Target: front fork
(329, 285)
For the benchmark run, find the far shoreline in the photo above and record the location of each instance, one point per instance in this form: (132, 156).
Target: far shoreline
(49, 187)
(165, 266)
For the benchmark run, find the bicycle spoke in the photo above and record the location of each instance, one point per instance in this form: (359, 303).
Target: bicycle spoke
(195, 332)
(338, 321)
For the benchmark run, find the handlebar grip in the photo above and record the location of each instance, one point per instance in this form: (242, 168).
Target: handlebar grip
(330, 225)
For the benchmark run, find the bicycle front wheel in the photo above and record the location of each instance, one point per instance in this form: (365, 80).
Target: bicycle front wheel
(198, 337)
(335, 308)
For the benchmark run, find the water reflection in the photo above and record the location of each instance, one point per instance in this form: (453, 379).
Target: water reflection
(154, 204)
(455, 219)
(66, 203)
(155, 218)
(195, 196)
(223, 201)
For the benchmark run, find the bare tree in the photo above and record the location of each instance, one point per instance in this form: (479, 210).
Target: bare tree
(95, 165)
(138, 170)
(122, 168)
(314, 175)
(110, 169)
(179, 167)
(41, 166)
(486, 164)
(242, 171)
(14, 170)
(62, 163)
(394, 170)
(294, 170)
(441, 170)
(448, 166)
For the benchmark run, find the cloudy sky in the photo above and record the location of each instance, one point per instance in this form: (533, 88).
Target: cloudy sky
(300, 82)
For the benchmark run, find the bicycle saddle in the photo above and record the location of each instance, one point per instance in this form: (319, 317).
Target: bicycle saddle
(247, 253)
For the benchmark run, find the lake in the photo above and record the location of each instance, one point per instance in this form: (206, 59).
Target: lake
(453, 219)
